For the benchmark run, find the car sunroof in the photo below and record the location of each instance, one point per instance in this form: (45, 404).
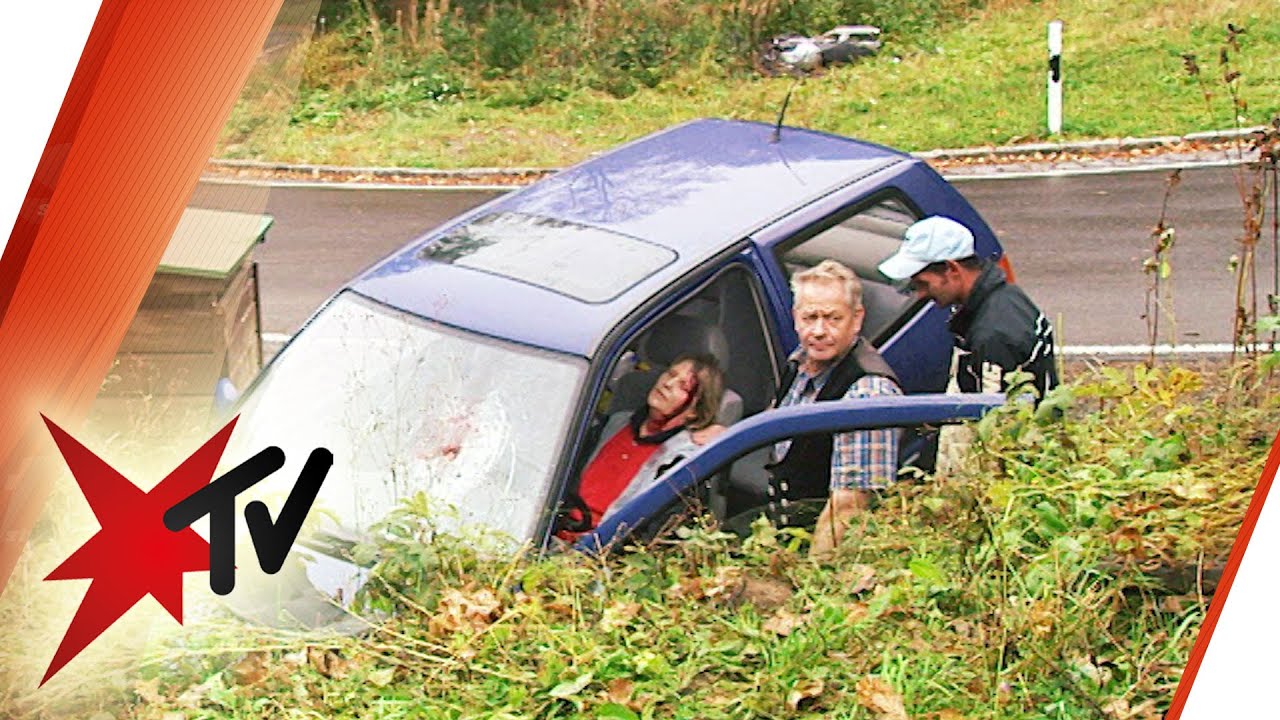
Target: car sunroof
(586, 263)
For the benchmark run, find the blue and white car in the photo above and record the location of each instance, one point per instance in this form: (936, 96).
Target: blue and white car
(478, 363)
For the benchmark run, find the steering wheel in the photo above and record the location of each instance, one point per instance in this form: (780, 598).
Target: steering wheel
(565, 519)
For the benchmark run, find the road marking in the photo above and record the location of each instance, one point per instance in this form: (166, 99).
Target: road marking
(1067, 350)
(1121, 350)
(1015, 175)
(322, 185)
(1074, 172)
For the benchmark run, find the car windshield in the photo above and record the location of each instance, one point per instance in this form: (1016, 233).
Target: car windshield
(408, 405)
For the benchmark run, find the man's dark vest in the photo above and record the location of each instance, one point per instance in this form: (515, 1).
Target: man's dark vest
(805, 472)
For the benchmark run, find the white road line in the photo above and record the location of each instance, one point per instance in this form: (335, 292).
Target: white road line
(1016, 175)
(950, 177)
(322, 185)
(1122, 350)
(1068, 350)
(1074, 172)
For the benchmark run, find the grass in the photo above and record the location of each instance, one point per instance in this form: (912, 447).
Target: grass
(1054, 575)
(984, 83)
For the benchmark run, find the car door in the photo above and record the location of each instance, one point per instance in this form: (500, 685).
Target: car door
(685, 486)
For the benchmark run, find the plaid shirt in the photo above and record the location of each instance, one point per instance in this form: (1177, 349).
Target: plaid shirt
(860, 460)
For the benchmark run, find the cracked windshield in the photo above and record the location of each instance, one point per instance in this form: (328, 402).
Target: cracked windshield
(473, 422)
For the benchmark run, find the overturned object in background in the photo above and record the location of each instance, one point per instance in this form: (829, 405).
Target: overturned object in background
(841, 44)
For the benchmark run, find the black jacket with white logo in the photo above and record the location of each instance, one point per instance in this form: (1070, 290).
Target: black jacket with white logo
(999, 330)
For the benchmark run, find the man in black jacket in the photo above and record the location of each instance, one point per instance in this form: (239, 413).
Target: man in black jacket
(998, 329)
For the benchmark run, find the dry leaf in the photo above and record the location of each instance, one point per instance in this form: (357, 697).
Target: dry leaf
(784, 622)
(459, 610)
(766, 593)
(690, 587)
(467, 653)
(1190, 487)
(618, 615)
(1117, 708)
(948, 714)
(856, 612)
(571, 688)
(382, 677)
(250, 669)
(880, 698)
(1042, 617)
(726, 583)
(804, 690)
(859, 578)
(620, 691)
(148, 691)
(328, 663)
(193, 697)
(1146, 710)
(564, 610)
(720, 698)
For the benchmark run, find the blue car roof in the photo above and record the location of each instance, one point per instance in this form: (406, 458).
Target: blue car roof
(695, 188)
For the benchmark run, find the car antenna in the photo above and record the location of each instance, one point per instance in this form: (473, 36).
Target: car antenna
(777, 128)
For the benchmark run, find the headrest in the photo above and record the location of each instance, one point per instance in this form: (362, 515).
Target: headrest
(676, 335)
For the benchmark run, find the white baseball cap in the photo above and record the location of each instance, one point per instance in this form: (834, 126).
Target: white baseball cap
(928, 241)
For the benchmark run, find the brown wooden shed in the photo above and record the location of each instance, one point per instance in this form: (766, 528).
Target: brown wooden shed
(199, 321)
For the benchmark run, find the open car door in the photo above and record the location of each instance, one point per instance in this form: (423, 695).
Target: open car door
(687, 481)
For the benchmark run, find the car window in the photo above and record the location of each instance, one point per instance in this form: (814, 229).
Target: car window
(725, 318)
(406, 406)
(861, 242)
(583, 262)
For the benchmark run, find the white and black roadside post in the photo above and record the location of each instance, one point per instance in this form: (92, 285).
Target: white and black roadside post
(1055, 77)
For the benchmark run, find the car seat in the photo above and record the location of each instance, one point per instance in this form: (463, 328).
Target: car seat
(672, 336)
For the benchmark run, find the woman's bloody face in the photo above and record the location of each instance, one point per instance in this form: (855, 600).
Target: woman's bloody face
(674, 393)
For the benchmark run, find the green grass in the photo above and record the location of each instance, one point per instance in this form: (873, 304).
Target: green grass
(984, 83)
(1018, 587)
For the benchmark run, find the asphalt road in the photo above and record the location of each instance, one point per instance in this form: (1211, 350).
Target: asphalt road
(1077, 244)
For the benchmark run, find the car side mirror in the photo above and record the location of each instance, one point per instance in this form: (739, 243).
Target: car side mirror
(225, 395)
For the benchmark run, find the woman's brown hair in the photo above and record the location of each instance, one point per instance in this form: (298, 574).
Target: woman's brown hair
(706, 406)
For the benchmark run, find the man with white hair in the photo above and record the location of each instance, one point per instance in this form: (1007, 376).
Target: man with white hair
(998, 329)
(832, 362)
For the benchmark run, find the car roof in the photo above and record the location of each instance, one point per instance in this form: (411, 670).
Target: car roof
(696, 188)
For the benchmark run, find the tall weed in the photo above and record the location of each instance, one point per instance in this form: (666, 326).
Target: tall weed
(1062, 571)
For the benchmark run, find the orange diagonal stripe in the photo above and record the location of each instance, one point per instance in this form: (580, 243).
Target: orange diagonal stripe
(143, 112)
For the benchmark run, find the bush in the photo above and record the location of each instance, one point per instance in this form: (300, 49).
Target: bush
(1023, 585)
(508, 40)
(544, 50)
(404, 83)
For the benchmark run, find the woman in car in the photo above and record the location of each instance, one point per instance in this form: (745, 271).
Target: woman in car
(678, 416)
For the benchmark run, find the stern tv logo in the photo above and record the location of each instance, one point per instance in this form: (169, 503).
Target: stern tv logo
(146, 542)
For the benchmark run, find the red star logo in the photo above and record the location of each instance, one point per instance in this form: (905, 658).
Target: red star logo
(134, 554)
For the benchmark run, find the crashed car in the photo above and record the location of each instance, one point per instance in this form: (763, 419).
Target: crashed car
(478, 363)
(845, 43)
(841, 44)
